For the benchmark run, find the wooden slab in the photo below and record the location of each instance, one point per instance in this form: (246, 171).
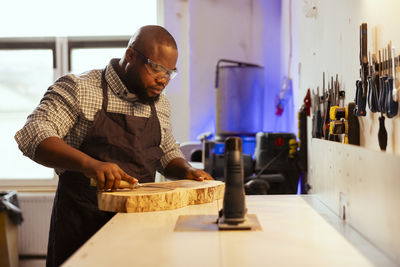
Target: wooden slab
(161, 196)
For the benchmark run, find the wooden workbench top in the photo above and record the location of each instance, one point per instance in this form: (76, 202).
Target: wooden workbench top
(296, 231)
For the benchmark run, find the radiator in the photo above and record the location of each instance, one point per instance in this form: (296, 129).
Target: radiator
(33, 233)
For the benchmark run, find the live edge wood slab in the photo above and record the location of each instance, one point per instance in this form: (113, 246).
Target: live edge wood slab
(161, 196)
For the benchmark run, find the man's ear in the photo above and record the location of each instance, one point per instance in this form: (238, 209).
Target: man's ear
(130, 55)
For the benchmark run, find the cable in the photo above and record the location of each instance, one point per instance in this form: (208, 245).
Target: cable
(269, 163)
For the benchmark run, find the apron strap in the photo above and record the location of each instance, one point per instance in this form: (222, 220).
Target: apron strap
(104, 87)
(153, 110)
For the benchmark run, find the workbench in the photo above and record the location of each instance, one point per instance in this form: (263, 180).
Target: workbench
(296, 231)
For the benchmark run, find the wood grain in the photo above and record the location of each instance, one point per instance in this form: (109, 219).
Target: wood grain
(161, 196)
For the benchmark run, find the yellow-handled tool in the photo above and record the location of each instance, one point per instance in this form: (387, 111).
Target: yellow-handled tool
(122, 185)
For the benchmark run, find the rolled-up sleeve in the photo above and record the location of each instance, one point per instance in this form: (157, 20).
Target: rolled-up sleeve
(54, 117)
(168, 143)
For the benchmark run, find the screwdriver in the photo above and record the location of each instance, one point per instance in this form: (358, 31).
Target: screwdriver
(373, 82)
(392, 106)
(382, 134)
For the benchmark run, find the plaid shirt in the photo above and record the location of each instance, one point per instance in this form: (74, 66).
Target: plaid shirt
(68, 108)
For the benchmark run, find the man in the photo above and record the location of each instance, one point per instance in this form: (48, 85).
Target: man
(109, 125)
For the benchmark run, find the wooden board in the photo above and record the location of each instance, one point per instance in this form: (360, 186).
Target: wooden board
(161, 196)
(362, 186)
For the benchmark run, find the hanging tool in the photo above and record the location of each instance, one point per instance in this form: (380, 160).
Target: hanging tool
(328, 100)
(334, 101)
(343, 121)
(323, 98)
(382, 82)
(373, 86)
(362, 84)
(391, 105)
(340, 94)
(317, 117)
(307, 102)
(354, 126)
(382, 134)
(395, 89)
(336, 113)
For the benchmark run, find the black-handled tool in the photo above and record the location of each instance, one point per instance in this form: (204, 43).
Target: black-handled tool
(343, 121)
(360, 100)
(364, 58)
(354, 126)
(328, 103)
(317, 116)
(233, 214)
(234, 199)
(362, 84)
(373, 95)
(382, 95)
(373, 86)
(392, 106)
(318, 124)
(382, 134)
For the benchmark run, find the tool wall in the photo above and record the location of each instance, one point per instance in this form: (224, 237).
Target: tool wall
(330, 42)
(359, 183)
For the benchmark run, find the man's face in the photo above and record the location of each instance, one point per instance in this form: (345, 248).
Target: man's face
(146, 80)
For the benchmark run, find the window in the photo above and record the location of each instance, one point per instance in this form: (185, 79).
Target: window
(44, 43)
(83, 53)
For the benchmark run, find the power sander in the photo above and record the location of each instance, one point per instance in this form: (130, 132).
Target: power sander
(233, 215)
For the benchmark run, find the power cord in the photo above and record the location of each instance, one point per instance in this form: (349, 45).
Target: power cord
(269, 163)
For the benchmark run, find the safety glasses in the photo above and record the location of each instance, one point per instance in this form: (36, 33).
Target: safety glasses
(158, 71)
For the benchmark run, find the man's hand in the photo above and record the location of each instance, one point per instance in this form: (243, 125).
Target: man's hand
(107, 174)
(53, 152)
(179, 168)
(198, 175)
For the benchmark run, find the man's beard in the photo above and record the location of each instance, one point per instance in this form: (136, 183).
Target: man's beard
(135, 86)
(143, 97)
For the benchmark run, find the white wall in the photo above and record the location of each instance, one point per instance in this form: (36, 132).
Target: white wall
(275, 58)
(207, 31)
(176, 20)
(329, 43)
(229, 29)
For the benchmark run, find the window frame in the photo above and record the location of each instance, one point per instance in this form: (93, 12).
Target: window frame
(61, 48)
(22, 43)
(80, 42)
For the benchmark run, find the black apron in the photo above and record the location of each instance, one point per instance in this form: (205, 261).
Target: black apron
(131, 142)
